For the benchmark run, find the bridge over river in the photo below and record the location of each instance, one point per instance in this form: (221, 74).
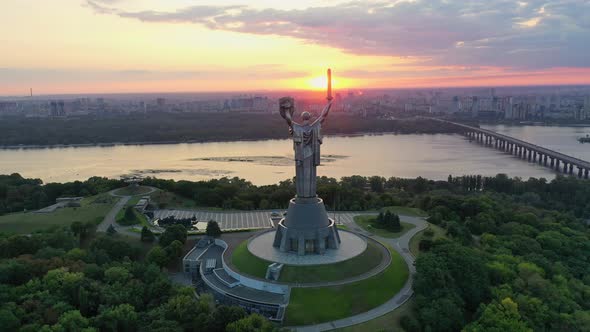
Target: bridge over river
(524, 150)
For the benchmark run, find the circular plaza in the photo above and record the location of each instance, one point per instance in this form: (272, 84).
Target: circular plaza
(351, 246)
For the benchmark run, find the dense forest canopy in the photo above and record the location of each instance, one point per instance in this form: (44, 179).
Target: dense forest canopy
(516, 255)
(51, 283)
(183, 127)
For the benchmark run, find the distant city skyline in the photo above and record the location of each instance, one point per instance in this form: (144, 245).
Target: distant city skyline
(123, 46)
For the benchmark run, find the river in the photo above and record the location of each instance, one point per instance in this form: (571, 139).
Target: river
(268, 161)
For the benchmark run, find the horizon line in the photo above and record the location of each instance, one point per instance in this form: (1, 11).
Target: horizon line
(293, 90)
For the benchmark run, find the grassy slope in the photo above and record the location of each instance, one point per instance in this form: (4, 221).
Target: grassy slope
(364, 262)
(317, 305)
(407, 211)
(415, 241)
(139, 218)
(387, 322)
(131, 191)
(167, 200)
(92, 208)
(366, 222)
(247, 263)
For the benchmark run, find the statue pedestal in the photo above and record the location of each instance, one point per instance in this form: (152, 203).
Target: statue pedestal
(306, 230)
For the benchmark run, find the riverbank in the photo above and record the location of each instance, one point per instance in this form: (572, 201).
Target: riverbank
(163, 128)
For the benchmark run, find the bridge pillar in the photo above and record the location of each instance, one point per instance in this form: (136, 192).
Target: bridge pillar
(552, 162)
(564, 166)
(545, 159)
(586, 173)
(511, 148)
(579, 172)
(541, 158)
(529, 154)
(571, 169)
(534, 156)
(520, 151)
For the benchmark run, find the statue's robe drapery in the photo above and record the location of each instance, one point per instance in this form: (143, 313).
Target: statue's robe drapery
(306, 143)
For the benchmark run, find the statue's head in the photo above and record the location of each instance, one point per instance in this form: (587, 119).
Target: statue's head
(305, 116)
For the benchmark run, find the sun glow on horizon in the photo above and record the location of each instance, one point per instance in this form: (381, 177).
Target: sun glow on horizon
(320, 82)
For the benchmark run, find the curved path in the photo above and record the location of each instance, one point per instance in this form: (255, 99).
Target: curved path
(402, 246)
(111, 217)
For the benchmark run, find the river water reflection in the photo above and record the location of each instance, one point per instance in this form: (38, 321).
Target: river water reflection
(267, 162)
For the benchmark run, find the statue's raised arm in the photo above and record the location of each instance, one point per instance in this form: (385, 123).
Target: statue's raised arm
(286, 108)
(326, 109)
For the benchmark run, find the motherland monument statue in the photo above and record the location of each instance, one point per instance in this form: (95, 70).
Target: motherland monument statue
(306, 228)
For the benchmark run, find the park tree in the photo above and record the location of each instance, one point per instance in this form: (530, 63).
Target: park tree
(122, 317)
(130, 213)
(158, 256)
(147, 235)
(72, 321)
(380, 218)
(213, 229)
(502, 316)
(252, 323)
(8, 320)
(224, 315)
(174, 232)
(395, 223)
(77, 227)
(174, 250)
(111, 230)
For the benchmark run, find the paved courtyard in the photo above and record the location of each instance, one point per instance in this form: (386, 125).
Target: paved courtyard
(242, 219)
(351, 246)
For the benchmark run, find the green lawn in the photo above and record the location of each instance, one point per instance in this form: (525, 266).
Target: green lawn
(317, 305)
(139, 219)
(368, 222)
(439, 232)
(92, 208)
(387, 322)
(167, 200)
(406, 211)
(360, 264)
(247, 263)
(132, 191)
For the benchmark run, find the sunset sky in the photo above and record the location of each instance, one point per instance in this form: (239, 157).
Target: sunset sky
(103, 46)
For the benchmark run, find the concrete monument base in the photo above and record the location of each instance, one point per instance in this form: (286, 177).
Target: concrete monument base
(351, 246)
(306, 230)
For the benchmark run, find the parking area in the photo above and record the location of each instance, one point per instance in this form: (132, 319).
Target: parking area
(242, 219)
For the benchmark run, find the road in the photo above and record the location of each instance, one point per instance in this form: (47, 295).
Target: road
(111, 217)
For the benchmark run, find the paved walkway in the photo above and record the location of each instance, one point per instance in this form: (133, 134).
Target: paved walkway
(111, 217)
(402, 246)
